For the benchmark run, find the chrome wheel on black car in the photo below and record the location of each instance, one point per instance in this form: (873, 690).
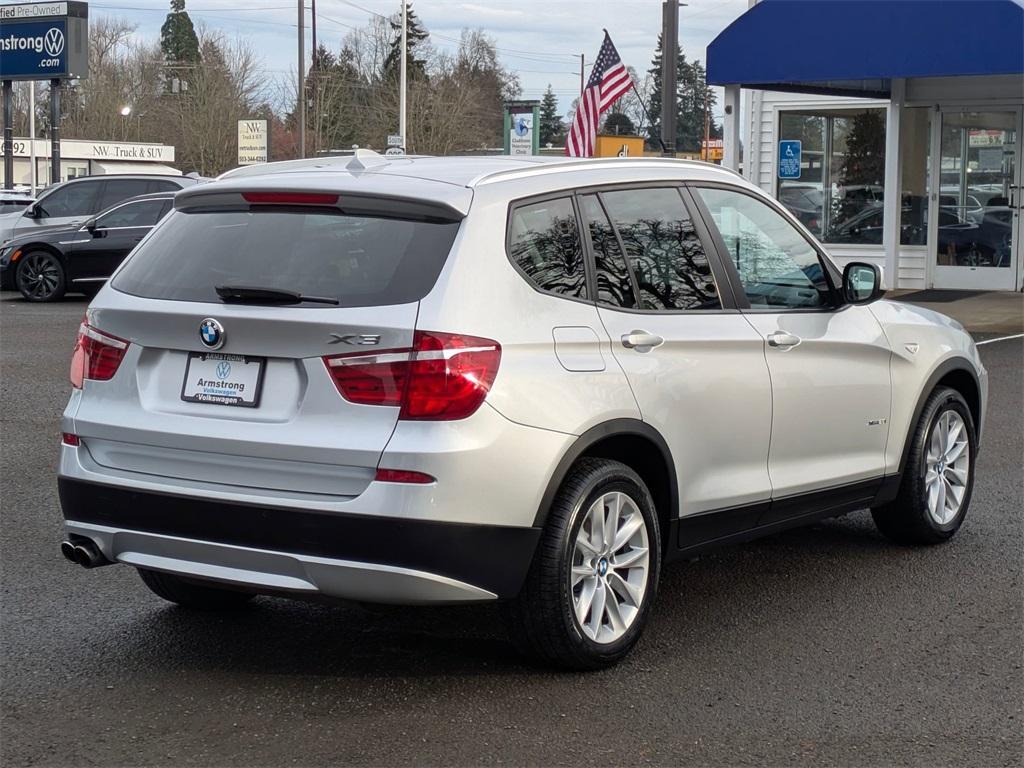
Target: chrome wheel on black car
(40, 277)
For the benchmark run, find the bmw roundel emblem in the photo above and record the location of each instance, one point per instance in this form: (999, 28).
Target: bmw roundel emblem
(211, 333)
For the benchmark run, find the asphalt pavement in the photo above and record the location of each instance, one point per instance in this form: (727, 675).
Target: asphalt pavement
(822, 646)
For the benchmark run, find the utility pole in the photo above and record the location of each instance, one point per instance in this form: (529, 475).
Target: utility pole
(319, 78)
(300, 102)
(669, 61)
(707, 126)
(403, 79)
(33, 176)
(582, 65)
(55, 130)
(8, 135)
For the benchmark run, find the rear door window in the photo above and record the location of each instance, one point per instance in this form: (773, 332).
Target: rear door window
(144, 213)
(614, 284)
(663, 248)
(544, 242)
(116, 190)
(359, 260)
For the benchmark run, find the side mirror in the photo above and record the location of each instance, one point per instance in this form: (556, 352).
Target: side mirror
(32, 212)
(862, 283)
(91, 225)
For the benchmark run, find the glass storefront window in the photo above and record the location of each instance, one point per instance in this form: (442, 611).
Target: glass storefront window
(839, 193)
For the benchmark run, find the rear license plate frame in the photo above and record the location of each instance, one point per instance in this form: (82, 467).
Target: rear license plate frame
(224, 399)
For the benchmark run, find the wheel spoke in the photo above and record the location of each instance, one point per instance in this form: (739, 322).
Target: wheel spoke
(622, 587)
(628, 558)
(612, 609)
(954, 451)
(959, 475)
(633, 524)
(597, 518)
(581, 572)
(585, 600)
(597, 608)
(940, 503)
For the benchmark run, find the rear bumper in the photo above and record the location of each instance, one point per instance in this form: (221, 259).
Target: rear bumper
(355, 556)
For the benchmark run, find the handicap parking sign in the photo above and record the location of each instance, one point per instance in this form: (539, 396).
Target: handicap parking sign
(789, 159)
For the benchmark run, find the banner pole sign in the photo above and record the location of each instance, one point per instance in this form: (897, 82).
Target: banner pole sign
(522, 127)
(253, 142)
(41, 41)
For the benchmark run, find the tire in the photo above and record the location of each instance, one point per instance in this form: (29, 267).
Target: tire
(192, 595)
(914, 517)
(40, 277)
(542, 620)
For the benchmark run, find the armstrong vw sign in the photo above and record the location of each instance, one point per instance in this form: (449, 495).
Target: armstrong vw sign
(42, 41)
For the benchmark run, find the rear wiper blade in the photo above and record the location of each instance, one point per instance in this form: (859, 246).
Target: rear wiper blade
(244, 294)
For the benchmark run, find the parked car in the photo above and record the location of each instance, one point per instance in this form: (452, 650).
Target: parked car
(445, 380)
(72, 202)
(13, 202)
(45, 265)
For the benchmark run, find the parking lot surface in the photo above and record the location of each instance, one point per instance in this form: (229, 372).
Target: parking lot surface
(822, 646)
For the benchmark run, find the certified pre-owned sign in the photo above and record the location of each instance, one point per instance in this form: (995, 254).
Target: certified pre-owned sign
(40, 41)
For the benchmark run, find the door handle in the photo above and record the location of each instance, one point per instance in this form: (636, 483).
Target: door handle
(782, 340)
(641, 341)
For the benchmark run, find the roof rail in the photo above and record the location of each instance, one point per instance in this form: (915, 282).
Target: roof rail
(588, 162)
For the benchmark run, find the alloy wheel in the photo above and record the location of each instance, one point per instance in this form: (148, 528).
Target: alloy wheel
(610, 560)
(39, 276)
(947, 467)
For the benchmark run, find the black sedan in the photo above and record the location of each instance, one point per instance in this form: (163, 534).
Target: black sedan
(45, 265)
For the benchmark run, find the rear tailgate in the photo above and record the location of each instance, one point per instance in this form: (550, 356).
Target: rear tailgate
(288, 429)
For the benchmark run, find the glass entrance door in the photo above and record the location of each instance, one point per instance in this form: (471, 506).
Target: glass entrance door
(974, 229)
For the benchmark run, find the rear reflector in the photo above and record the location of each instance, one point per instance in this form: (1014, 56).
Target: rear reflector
(69, 439)
(289, 198)
(96, 356)
(445, 376)
(403, 476)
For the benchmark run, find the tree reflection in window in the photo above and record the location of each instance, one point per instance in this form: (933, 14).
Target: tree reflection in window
(545, 242)
(614, 286)
(667, 256)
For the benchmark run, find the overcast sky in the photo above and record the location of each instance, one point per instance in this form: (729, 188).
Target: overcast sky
(539, 39)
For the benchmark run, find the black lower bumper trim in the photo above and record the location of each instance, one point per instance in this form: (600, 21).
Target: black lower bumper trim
(495, 558)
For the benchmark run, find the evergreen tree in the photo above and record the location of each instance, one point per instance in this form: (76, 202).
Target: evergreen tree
(178, 39)
(415, 41)
(618, 124)
(552, 130)
(691, 87)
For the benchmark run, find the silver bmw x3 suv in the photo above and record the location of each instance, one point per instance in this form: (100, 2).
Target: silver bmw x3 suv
(442, 380)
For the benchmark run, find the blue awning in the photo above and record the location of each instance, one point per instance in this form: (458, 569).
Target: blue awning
(856, 47)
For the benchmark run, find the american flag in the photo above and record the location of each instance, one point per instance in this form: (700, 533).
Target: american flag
(609, 80)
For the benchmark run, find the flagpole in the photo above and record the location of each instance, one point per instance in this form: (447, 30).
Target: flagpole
(647, 114)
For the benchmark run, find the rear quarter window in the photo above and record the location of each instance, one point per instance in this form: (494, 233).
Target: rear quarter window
(359, 260)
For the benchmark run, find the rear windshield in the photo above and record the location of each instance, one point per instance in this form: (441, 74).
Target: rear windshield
(359, 260)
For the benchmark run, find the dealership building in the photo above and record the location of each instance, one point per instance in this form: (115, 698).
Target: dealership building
(844, 103)
(81, 157)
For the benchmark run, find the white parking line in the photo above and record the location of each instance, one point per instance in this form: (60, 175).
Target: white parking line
(1001, 338)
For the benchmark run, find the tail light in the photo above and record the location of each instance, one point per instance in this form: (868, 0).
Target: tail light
(97, 355)
(443, 377)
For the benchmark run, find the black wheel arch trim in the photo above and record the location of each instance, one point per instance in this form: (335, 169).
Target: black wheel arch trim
(943, 369)
(593, 436)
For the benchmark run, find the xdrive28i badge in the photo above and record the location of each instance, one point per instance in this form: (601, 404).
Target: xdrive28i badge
(211, 333)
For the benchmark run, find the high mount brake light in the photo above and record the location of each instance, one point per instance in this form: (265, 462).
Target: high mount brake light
(289, 198)
(96, 356)
(445, 376)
